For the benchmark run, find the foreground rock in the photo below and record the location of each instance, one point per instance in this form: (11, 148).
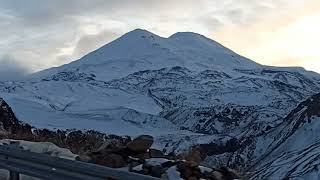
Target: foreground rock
(141, 143)
(137, 156)
(9, 124)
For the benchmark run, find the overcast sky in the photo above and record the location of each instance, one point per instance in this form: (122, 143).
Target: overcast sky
(37, 34)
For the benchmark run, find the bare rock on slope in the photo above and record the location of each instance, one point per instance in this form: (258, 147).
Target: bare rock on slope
(141, 143)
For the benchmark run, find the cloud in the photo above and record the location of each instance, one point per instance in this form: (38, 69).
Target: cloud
(85, 44)
(50, 33)
(46, 33)
(284, 35)
(11, 69)
(89, 43)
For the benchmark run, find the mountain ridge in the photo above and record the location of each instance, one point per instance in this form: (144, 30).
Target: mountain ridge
(142, 50)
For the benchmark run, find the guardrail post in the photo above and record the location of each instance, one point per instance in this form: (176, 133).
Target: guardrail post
(14, 175)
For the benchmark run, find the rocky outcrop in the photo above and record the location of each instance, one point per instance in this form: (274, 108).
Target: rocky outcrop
(122, 152)
(9, 124)
(154, 162)
(141, 143)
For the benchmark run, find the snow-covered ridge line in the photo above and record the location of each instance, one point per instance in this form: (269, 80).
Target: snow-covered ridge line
(142, 50)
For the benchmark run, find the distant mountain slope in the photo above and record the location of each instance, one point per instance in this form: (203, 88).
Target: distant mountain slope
(295, 148)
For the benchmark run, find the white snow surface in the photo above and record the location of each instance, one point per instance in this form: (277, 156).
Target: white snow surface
(297, 158)
(36, 147)
(40, 147)
(173, 173)
(142, 50)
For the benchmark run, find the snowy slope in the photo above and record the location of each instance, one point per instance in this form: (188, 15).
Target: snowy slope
(294, 151)
(141, 50)
(186, 90)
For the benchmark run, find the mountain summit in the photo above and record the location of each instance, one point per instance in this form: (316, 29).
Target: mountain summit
(142, 50)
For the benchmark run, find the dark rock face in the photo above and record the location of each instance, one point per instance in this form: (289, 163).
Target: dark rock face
(79, 142)
(154, 153)
(188, 171)
(230, 146)
(110, 160)
(141, 143)
(9, 124)
(7, 117)
(156, 171)
(194, 157)
(313, 108)
(195, 172)
(70, 76)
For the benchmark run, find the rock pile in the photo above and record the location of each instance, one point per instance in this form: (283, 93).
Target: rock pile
(116, 153)
(138, 156)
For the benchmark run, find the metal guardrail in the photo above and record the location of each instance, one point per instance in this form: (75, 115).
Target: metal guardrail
(46, 167)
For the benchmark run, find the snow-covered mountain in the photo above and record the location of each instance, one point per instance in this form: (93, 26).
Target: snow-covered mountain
(186, 90)
(141, 50)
